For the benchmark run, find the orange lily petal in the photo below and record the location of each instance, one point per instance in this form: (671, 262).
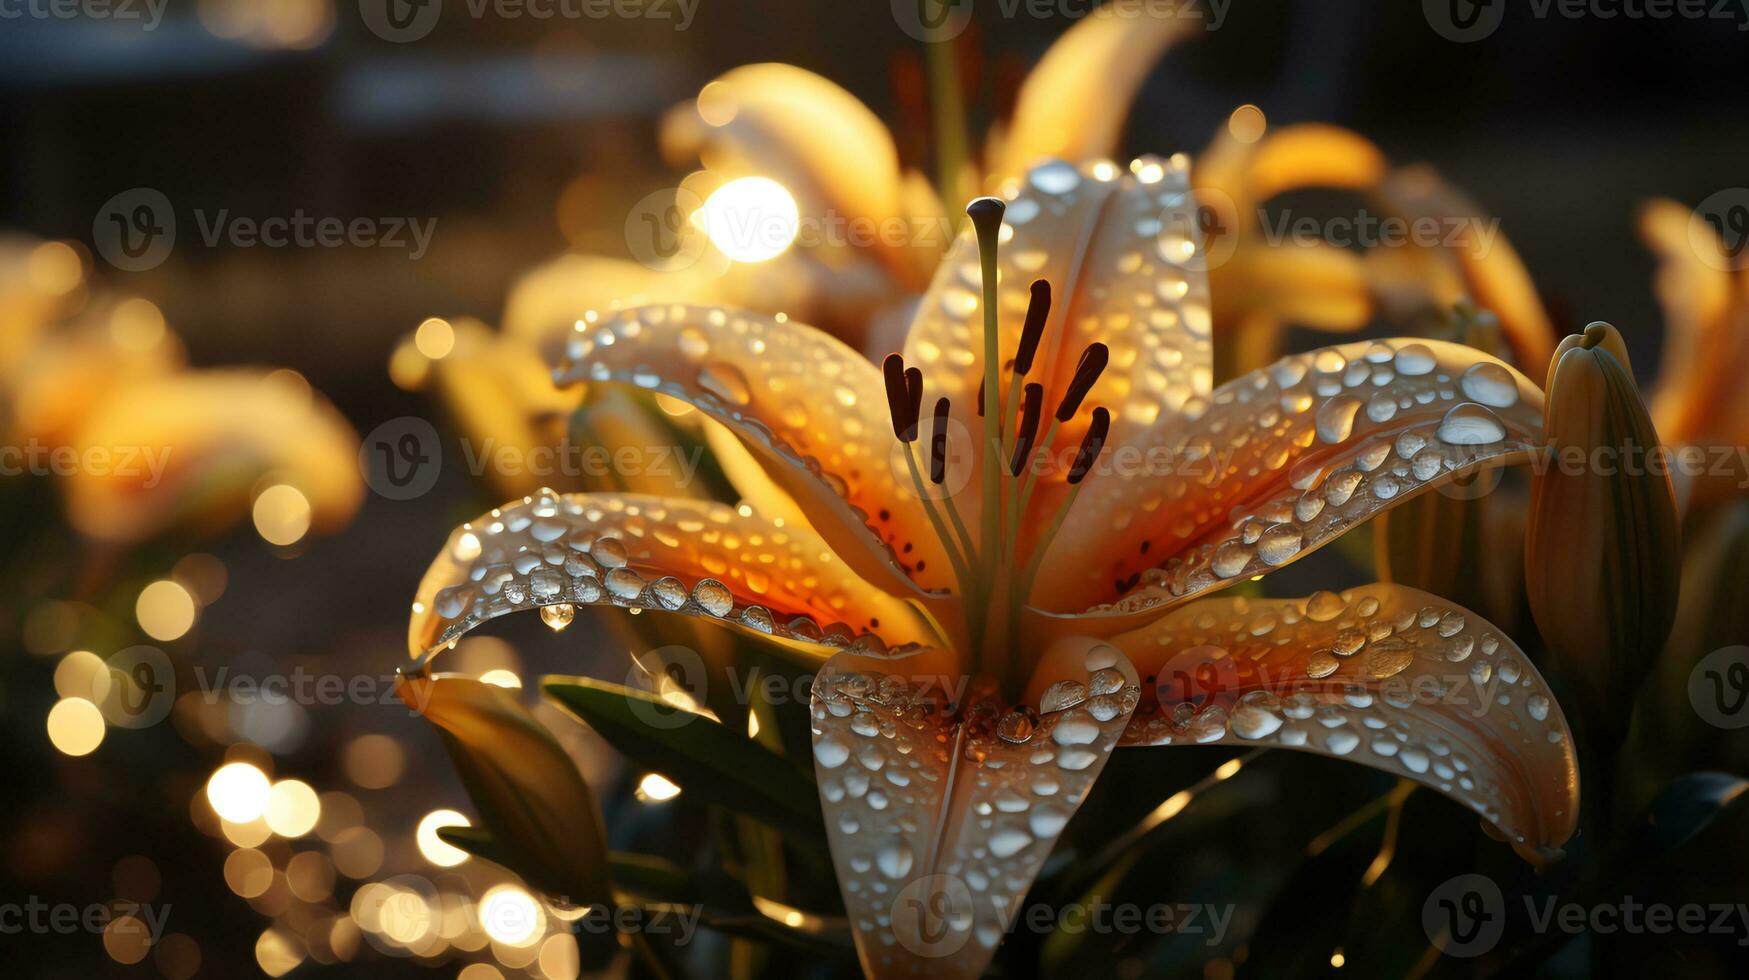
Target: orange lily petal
(545, 302)
(217, 435)
(1703, 356)
(1492, 271)
(1120, 253)
(1384, 675)
(813, 410)
(806, 132)
(1074, 102)
(691, 557)
(1282, 461)
(939, 826)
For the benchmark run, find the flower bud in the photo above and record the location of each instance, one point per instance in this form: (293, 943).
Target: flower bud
(1602, 549)
(542, 816)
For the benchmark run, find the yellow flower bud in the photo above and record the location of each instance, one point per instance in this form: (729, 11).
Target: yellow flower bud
(541, 814)
(1602, 549)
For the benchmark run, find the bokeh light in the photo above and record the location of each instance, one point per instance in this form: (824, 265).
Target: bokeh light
(435, 849)
(752, 219)
(165, 610)
(282, 515)
(239, 792)
(75, 726)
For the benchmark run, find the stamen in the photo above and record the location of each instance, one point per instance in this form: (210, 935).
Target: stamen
(938, 445)
(899, 398)
(1093, 361)
(1035, 397)
(1037, 312)
(1091, 445)
(914, 398)
(986, 214)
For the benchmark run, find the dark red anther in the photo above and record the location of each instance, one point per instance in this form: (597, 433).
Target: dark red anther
(1091, 445)
(938, 444)
(1033, 401)
(899, 401)
(1093, 361)
(1037, 312)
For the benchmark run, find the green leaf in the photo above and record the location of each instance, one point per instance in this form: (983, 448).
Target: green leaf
(706, 759)
(723, 903)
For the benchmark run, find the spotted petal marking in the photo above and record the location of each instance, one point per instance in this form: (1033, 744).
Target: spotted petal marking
(813, 410)
(937, 825)
(691, 557)
(1282, 461)
(1383, 675)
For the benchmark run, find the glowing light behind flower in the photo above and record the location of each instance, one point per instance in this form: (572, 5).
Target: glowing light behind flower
(282, 515)
(239, 792)
(165, 610)
(433, 847)
(511, 916)
(751, 219)
(75, 726)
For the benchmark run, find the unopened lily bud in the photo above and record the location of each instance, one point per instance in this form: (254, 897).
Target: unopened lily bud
(1602, 549)
(542, 816)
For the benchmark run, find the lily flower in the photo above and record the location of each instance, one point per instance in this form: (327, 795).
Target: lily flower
(995, 600)
(888, 228)
(100, 378)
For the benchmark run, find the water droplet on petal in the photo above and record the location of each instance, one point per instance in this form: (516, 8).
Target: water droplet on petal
(713, 597)
(1470, 424)
(725, 381)
(1416, 359)
(1491, 384)
(1336, 418)
(558, 615)
(1279, 544)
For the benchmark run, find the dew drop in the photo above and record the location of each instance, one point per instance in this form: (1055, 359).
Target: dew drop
(1470, 424)
(725, 381)
(623, 583)
(894, 859)
(1415, 360)
(1279, 544)
(558, 615)
(1491, 384)
(1336, 418)
(713, 597)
